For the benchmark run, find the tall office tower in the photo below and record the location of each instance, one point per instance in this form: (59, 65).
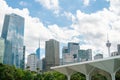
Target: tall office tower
(89, 51)
(98, 56)
(118, 48)
(43, 64)
(13, 33)
(52, 53)
(73, 49)
(84, 55)
(2, 47)
(38, 51)
(67, 58)
(32, 62)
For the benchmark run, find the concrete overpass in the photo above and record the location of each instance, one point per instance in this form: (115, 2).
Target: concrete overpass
(110, 65)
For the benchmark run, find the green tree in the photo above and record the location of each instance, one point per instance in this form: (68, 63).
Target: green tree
(28, 75)
(78, 76)
(6, 72)
(99, 77)
(59, 76)
(18, 74)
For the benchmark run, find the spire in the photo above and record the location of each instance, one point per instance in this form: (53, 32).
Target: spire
(39, 43)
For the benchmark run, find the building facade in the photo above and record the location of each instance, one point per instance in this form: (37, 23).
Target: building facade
(98, 56)
(38, 53)
(52, 53)
(118, 48)
(67, 58)
(32, 62)
(23, 63)
(2, 47)
(84, 55)
(13, 34)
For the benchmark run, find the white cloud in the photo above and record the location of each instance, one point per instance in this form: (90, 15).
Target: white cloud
(69, 16)
(23, 3)
(50, 4)
(115, 6)
(63, 34)
(86, 2)
(95, 27)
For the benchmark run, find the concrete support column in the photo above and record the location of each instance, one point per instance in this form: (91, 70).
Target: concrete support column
(87, 77)
(113, 76)
(68, 77)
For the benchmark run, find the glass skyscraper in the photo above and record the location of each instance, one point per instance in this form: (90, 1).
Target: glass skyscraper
(13, 34)
(38, 53)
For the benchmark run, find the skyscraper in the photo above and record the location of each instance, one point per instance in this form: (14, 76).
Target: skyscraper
(67, 57)
(38, 52)
(73, 49)
(23, 61)
(13, 33)
(2, 47)
(52, 53)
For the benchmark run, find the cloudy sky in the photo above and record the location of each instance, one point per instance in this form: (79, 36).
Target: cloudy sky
(84, 21)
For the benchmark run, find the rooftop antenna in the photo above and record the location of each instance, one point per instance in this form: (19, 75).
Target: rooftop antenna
(108, 44)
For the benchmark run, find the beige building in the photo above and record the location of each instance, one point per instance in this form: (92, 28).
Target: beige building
(51, 53)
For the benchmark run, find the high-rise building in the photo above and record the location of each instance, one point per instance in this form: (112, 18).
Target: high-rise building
(98, 56)
(2, 47)
(67, 58)
(70, 53)
(118, 48)
(13, 34)
(43, 64)
(114, 53)
(73, 49)
(38, 51)
(84, 55)
(23, 61)
(52, 53)
(32, 62)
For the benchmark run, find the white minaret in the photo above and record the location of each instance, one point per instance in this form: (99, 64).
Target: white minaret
(108, 44)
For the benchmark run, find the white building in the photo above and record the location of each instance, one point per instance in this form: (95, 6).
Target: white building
(2, 47)
(39, 65)
(32, 62)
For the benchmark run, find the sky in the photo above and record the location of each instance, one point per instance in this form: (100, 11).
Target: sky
(86, 22)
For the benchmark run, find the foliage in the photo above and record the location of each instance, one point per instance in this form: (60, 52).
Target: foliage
(99, 77)
(77, 76)
(11, 73)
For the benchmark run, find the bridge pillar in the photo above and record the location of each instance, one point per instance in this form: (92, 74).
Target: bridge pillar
(68, 77)
(113, 76)
(87, 77)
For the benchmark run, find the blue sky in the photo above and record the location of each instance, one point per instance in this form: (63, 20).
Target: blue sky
(49, 17)
(84, 21)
